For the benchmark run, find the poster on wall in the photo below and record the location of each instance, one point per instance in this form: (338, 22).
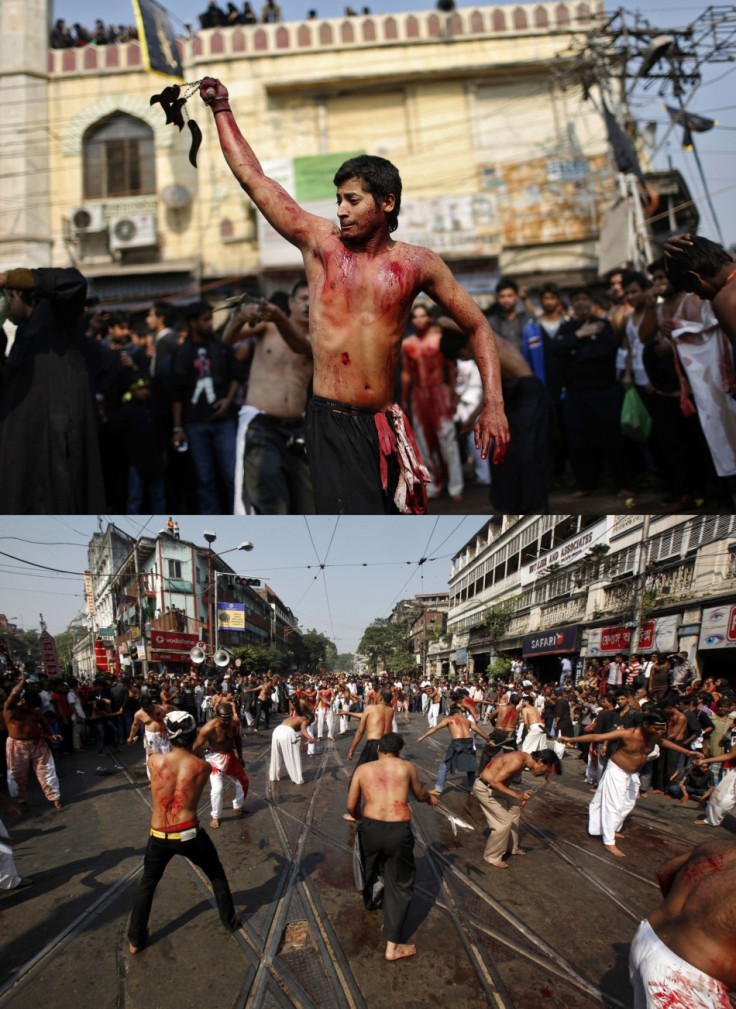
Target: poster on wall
(718, 627)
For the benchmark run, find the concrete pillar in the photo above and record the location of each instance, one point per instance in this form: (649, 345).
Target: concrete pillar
(25, 212)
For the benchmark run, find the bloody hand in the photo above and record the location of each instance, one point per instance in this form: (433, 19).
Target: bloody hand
(213, 93)
(492, 424)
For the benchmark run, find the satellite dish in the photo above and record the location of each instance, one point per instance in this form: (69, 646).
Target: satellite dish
(175, 197)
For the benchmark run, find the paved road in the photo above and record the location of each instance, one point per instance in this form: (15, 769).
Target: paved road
(551, 932)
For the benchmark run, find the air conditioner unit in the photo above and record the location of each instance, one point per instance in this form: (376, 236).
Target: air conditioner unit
(87, 218)
(134, 232)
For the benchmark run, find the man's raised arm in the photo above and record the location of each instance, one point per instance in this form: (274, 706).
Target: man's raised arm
(279, 209)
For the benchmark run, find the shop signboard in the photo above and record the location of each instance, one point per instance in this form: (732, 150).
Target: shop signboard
(718, 628)
(162, 656)
(554, 642)
(658, 635)
(573, 549)
(48, 654)
(173, 641)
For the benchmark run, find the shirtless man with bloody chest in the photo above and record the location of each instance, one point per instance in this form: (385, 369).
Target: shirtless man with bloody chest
(684, 954)
(220, 742)
(27, 745)
(428, 396)
(362, 285)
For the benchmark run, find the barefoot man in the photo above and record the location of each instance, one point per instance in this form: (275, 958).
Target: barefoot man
(375, 722)
(460, 755)
(682, 954)
(619, 785)
(221, 743)
(502, 804)
(177, 782)
(362, 285)
(27, 746)
(385, 837)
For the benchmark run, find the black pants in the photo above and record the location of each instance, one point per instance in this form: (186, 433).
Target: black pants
(344, 457)
(276, 477)
(519, 483)
(265, 707)
(369, 752)
(159, 852)
(593, 427)
(388, 851)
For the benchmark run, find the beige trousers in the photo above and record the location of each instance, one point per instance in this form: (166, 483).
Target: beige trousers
(502, 815)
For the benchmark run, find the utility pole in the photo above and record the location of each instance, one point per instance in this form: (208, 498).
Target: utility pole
(639, 587)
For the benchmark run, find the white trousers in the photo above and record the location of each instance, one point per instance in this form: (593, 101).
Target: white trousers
(344, 723)
(449, 453)
(612, 802)
(311, 734)
(722, 799)
(425, 704)
(661, 978)
(285, 746)
(9, 877)
(324, 715)
(535, 739)
(217, 784)
(434, 710)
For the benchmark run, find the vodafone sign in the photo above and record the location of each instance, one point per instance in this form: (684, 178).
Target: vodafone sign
(173, 641)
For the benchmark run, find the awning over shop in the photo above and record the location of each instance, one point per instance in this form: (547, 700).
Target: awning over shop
(550, 642)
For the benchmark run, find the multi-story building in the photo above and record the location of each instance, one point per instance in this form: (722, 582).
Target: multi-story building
(155, 598)
(539, 587)
(504, 168)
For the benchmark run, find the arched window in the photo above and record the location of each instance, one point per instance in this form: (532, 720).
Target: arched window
(119, 158)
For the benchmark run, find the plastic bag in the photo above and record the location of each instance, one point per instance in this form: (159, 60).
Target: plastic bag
(635, 420)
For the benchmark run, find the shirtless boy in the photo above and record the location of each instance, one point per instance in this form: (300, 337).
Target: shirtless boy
(536, 735)
(619, 785)
(271, 433)
(682, 954)
(362, 285)
(220, 742)
(460, 755)
(385, 837)
(177, 782)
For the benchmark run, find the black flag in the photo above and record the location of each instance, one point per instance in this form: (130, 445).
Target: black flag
(623, 150)
(157, 39)
(691, 123)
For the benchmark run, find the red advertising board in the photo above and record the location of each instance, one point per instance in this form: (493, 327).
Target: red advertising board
(731, 632)
(159, 656)
(646, 635)
(615, 639)
(173, 641)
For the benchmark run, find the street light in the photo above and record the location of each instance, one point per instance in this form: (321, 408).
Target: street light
(211, 537)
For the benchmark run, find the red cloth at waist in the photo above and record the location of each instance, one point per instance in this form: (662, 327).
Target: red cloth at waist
(173, 828)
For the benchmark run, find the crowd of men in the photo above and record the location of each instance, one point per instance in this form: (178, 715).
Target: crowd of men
(76, 36)
(180, 415)
(644, 724)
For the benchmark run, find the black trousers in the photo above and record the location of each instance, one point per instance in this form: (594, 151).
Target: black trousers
(265, 708)
(344, 457)
(159, 852)
(388, 851)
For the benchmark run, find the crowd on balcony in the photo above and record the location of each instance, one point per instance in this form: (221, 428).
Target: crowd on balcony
(216, 17)
(76, 37)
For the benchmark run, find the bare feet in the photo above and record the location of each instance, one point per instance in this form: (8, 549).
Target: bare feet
(25, 881)
(519, 851)
(236, 921)
(214, 823)
(347, 816)
(619, 834)
(396, 951)
(135, 949)
(57, 804)
(701, 823)
(614, 850)
(498, 865)
(243, 811)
